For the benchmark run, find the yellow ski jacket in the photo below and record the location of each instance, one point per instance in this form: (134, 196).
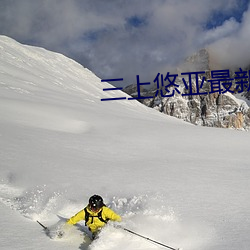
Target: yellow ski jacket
(94, 223)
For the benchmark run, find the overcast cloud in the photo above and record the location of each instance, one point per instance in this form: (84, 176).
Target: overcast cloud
(123, 38)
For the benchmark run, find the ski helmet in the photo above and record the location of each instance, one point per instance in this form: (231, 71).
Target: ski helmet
(95, 202)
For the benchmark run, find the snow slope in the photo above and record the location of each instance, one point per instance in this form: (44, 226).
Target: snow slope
(176, 183)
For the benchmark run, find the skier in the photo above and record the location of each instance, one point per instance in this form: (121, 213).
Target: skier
(95, 214)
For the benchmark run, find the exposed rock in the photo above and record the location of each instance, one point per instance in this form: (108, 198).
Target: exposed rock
(212, 109)
(199, 61)
(132, 90)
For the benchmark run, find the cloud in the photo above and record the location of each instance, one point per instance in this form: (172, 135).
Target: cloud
(122, 38)
(229, 27)
(233, 49)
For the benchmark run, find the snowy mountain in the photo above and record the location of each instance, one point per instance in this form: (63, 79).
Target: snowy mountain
(179, 184)
(214, 109)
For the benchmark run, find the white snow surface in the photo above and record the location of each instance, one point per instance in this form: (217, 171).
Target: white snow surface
(182, 185)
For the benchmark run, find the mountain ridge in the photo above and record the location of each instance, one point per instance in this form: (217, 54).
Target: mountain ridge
(215, 109)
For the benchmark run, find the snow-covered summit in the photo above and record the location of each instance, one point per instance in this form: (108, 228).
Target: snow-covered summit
(182, 185)
(32, 74)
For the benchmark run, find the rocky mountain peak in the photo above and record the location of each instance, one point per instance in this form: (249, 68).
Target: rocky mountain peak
(213, 109)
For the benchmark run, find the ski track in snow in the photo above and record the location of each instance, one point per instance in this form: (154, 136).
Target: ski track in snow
(56, 135)
(145, 214)
(43, 117)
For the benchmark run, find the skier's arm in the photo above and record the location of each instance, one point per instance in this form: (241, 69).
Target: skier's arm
(77, 217)
(110, 214)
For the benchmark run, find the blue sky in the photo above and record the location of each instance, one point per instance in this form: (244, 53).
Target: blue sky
(219, 16)
(125, 38)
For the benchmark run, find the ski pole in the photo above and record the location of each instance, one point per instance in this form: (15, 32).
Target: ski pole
(146, 238)
(45, 228)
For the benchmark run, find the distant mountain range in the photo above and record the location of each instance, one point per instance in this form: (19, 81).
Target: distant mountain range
(217, 108)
